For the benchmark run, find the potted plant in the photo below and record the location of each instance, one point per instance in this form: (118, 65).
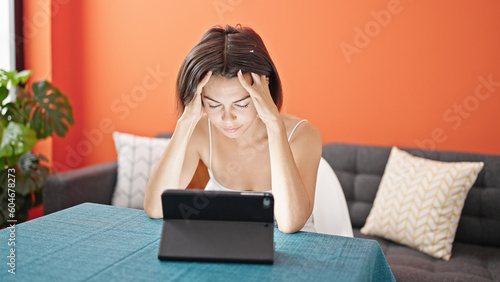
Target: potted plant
(26, 117)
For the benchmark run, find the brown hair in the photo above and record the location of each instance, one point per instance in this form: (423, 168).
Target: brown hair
(225, 51)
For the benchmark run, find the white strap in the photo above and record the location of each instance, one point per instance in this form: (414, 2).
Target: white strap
(293, 130)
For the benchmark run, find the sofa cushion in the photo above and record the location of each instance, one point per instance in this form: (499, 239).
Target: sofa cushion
(360, 168)
(419, 202)
(137, 157)
(469, 262)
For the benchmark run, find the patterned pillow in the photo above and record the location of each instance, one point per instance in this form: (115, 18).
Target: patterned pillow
(137, 157)
(419, 202)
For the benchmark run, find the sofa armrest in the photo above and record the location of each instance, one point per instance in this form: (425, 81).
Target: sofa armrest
(90, 184)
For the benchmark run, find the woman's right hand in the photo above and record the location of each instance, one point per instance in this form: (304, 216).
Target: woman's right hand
(194, 109)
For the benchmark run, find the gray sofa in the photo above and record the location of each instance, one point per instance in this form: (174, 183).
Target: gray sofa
(476, 250)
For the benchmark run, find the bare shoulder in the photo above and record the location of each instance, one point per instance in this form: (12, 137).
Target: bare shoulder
(305, 133)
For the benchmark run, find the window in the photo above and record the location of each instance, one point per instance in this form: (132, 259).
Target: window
(7, 36)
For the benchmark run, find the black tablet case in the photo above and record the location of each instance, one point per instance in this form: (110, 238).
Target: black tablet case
(217, 226)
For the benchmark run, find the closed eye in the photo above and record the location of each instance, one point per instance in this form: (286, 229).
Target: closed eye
(213, 107)
(242, 106)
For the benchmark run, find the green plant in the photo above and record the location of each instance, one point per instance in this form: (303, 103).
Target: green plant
(26, 117)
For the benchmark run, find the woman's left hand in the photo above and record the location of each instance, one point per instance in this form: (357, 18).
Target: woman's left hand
(261, 97)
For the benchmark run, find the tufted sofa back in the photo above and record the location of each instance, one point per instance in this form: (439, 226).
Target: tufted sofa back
(359, 169)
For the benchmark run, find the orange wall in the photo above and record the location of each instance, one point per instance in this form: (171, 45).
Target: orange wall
(37, 53)
(408, 79)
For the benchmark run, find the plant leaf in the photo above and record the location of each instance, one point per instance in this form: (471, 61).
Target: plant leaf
(17, 139)
(4, 92)
(33, 173)
(2, 128)
(49, 110)
(23, 76)
(14, 113)
(26, 186)
(10, 76)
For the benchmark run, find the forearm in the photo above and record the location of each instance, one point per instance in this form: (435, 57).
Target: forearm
(293, 205)
(168, 171)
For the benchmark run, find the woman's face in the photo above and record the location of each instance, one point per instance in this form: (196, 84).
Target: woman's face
(228, 105)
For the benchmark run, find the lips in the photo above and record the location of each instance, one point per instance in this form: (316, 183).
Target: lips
(231, 129)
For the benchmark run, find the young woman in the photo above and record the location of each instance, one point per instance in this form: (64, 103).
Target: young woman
(229, 93)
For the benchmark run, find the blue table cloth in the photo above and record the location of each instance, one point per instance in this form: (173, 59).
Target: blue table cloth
(94, 242)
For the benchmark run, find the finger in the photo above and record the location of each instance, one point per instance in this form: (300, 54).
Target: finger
(256, 79)
(206, 78)
(263, 79)
(204, 81)
(243, 82)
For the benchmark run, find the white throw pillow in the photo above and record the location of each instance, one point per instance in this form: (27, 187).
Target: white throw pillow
(137, 157)
(419, 202)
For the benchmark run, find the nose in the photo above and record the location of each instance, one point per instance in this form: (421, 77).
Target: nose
(227, 115)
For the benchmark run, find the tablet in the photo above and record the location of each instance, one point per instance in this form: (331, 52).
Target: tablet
(217, 226)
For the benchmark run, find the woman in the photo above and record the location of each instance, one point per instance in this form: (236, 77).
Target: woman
(243, 139)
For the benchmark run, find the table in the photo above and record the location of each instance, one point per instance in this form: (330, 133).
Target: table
(94, 242)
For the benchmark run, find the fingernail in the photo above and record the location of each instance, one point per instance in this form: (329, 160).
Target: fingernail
(239, 72)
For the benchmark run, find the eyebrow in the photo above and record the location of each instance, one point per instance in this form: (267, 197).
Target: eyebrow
(206, 97)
